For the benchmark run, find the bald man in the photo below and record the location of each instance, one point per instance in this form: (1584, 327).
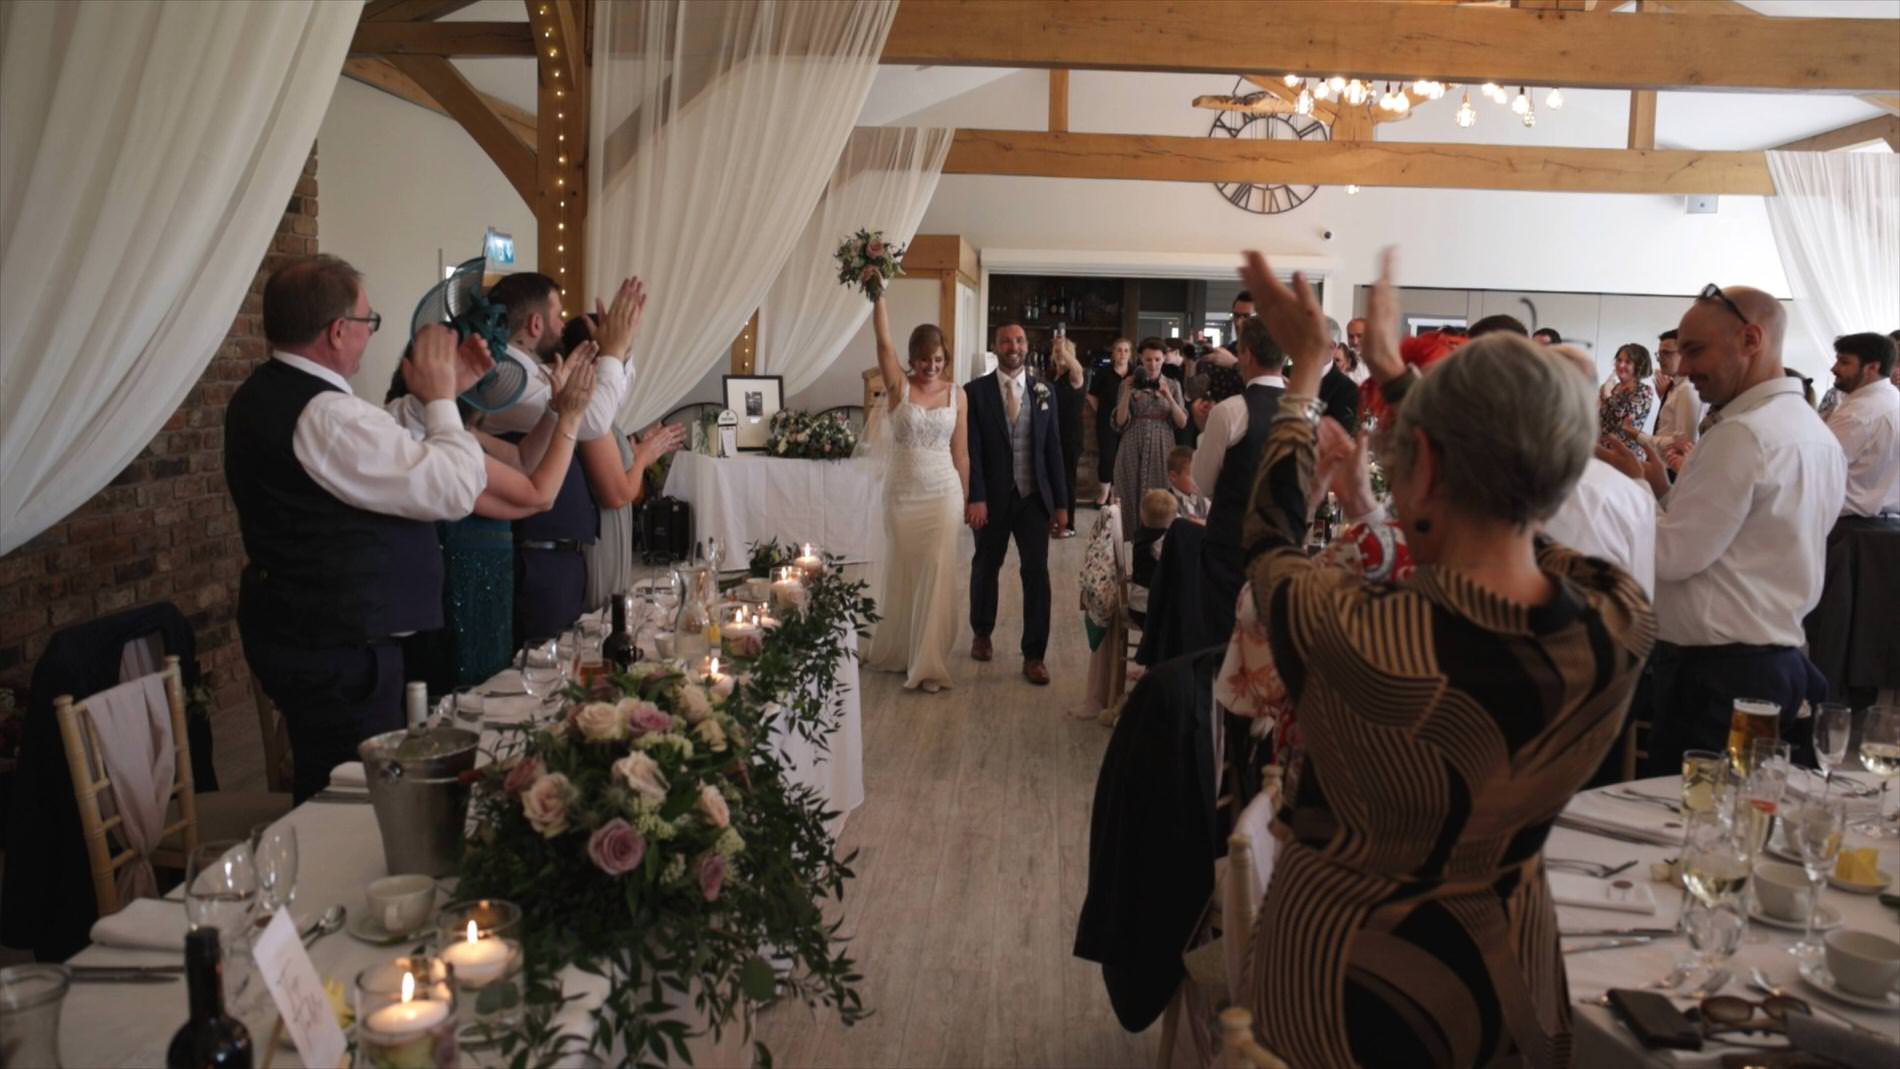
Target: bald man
(1741, 541)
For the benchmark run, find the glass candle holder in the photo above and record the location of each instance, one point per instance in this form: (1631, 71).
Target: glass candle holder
(405, 1014)
(756, 589)
(481, 939)
(788, 587)
(809, 561)
(741, 634)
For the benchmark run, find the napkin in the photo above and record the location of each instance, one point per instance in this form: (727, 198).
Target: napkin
(1633, 819)
(1571, 889)
(144, 924)
(349, 776)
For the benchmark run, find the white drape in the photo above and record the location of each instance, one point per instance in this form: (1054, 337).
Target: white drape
(715, 125)
(884, 181)
(1836, 220)
(149, 149)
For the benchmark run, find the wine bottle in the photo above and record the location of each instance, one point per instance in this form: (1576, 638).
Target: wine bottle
(618, 650)
(210, 1037)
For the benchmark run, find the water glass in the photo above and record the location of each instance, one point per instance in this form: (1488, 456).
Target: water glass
(1814, 829)
(1715, 931)
(1833, 725)
(221, 891)
(1705, 776)
(543, 671)
(274, 853)
(30, 1001)
(1880, 754)
(1715, 861)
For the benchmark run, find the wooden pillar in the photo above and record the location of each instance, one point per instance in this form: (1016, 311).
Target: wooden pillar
(1642, 118)
(1058, 101)
(559, 29)
(745, 348)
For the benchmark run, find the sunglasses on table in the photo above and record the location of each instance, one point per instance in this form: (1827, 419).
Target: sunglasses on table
(1727, 1015)
(1713, 292)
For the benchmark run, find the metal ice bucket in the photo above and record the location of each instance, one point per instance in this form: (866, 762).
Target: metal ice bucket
(416, 784)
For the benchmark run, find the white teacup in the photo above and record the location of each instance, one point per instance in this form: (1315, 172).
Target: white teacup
(1862, 962)
(1782, 890)
(401, 903)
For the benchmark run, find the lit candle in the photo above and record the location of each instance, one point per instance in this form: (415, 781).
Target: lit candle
(809, 561)
(788, 588)
(478, 961)
(742, 635)
(708, 671)
(408, 1017)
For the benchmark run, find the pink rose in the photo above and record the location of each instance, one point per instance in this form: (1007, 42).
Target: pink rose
(615, 848)
(712, 804)
(874, 250)
(712, 876)
(546, 804)
(522, 775)
(644, 716)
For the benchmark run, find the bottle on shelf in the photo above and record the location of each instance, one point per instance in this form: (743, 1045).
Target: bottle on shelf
(211, 1038)
(617, 651)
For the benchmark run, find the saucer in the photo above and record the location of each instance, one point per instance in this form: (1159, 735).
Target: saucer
(1861, 888)
(1815, 974)
(1826, 918)
(370, 930)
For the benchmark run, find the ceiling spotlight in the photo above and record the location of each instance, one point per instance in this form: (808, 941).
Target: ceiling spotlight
(1336, 83)
(1555, 100)
(1466, 113)
(1304, 104)
(1291, 80)
(1521, 103)
(1351, 190)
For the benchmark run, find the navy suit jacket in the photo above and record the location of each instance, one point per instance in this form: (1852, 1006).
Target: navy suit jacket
(992, 463)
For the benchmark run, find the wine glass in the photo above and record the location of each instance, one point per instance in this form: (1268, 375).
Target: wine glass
(274, 853)
(1715, 859)
(1715, 932)
(543, 672)
(1814, 828)
(715, 554)
(221, 890)
(1833, 724)
(1880, 754)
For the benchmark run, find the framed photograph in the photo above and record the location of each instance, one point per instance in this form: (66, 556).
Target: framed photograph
(1416, 325)
(755, 399)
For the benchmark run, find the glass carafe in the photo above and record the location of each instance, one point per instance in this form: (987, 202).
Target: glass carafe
(693, 624)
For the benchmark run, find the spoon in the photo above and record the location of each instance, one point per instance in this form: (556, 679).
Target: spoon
(329, 923)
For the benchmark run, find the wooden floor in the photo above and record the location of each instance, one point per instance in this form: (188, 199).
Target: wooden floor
(972, 861)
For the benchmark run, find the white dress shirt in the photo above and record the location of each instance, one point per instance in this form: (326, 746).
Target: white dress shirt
(1611, 516)
(1226, 424)
(1867, 422)
(1681, 413)
(366, 458)
(612, 379)
(1741, 543)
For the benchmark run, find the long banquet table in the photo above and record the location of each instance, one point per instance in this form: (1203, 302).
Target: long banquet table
(1602, 1042)
(837, 504)
(340, 852)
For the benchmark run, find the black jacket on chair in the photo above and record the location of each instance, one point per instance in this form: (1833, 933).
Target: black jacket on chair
(1152, 837)
(48, 892)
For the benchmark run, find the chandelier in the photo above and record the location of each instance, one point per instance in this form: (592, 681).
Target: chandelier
(1398, 98)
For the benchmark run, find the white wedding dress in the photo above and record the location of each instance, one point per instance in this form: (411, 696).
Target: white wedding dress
(923, 513)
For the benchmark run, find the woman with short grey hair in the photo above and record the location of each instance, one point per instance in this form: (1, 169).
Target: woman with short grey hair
(1444, 721)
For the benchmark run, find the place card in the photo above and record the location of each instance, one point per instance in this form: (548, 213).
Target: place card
(298, 992)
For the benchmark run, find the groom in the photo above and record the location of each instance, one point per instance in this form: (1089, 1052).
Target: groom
(1016, 482)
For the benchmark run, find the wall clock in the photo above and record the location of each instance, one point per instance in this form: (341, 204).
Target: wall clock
(1268, 122)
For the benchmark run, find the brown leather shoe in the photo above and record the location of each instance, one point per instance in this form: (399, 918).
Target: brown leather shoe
(1036, 673)
(980, 648)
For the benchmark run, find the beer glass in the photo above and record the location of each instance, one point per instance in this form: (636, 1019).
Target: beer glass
(1752, 719)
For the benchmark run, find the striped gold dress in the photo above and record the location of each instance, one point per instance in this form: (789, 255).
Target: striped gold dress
(1408, 921)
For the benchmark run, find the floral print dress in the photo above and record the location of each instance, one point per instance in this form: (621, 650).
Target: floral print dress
(1626, 404)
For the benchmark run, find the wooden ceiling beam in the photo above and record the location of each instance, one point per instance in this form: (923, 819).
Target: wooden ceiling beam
(1400, 41)
(1879, 128)
(381, 74)
(1370, 163)
(410, 10)
(513, 156)
(442, 39)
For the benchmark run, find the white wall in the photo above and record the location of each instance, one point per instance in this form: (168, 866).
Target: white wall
(397, 183)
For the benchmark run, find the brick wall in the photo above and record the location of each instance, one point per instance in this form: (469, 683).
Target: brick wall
(164, 529)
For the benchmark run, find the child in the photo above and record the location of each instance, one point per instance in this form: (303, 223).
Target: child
(1157, 514)
(1189, 504)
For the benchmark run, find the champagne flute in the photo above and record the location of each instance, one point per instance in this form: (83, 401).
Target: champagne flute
(1833, 724)
(274, 852)
(1814, 829)
(1758, 798)
(1880, 754)
(221, 891)
(542, 672)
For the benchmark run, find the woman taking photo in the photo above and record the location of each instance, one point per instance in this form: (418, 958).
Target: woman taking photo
(1148, 410)
(1445, 720)
(1104, 392)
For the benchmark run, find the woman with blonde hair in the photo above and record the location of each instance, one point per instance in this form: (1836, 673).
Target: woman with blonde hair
(1066, 377)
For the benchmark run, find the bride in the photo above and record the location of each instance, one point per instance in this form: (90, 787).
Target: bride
(924, 488)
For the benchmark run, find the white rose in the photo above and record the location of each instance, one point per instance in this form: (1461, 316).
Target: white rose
(712, 804)
(711, 734)
(545, 804)
(642, 775)
(698, 706)
(600, 722)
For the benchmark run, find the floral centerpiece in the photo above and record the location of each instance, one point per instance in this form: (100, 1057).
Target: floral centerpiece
(798, 435)
(867, 261)
(652, 836)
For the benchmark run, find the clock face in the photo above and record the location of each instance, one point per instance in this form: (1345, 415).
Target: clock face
(1251, 196)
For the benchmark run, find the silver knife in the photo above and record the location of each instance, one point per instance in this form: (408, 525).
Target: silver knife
(80, 969)
(123, 977)
(1612, 944)
(1594, 933)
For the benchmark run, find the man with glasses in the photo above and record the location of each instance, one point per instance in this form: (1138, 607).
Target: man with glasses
(336, 503)
(1740, 542)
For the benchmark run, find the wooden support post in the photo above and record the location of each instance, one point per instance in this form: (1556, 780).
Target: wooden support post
(745, 347)
(1643, 118)
(1058, 101)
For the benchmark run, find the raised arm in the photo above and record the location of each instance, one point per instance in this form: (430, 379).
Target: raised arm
(1121, 402)
(887, 365)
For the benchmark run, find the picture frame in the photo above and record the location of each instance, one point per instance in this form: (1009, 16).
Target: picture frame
(755, 399)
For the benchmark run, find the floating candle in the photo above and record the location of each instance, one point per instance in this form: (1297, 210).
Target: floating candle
(478, 960)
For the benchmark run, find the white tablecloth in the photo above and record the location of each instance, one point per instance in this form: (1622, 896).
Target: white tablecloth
(836, 504)
(340, 852)
(1602, 1042)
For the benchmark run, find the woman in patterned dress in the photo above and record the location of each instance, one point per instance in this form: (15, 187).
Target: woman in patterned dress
(1625, 409)
(1148, 410)
(1445, 721)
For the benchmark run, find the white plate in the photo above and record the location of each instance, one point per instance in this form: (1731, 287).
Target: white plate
(370, 930)
(1826, 918)
(1860, 888)
(1816, 976)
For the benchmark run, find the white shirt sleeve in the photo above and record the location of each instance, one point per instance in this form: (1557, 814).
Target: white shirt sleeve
(368, 459)
(1224, 428)
(1708, 504)
(610, 388)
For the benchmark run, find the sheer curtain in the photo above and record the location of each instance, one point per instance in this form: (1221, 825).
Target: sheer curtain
(715, 126)
(1836, 219)
(884, 181)
(149, 150)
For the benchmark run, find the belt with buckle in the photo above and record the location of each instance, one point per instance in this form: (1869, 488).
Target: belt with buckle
(566, 545)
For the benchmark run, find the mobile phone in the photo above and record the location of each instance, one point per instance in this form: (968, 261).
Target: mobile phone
(1655, 1020)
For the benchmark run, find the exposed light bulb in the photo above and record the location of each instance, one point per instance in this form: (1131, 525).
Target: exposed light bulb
(1555, 100)
(1303, 105)
(1466, 113)
(1351, 190)
(1322, 90)
(1357, 92)
(1423, 87)
(1530, 115)
(1401, 103)
(1336, 84)
(1438, 90)
(1522, 102)
(1491, 89)
(1291, 80)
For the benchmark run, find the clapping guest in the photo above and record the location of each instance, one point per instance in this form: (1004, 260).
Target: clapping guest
(1867, 423)
(1232, 434)
(336, 504)
(1679, 409)
(1624, 411)
(1445, 723)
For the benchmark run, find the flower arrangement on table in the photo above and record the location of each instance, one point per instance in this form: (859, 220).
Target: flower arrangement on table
(652, 835)
(801, 436)
(867, 261)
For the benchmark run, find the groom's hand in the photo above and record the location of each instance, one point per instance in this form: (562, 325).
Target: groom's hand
(1059, 524)
(976, 514)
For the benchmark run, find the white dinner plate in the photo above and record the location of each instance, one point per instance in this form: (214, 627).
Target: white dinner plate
(1826, 918)
(1815, 974)
(370, 930)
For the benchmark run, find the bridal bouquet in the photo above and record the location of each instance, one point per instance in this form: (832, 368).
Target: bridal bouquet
(651, 835)
(867, 261)
(801, 436)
